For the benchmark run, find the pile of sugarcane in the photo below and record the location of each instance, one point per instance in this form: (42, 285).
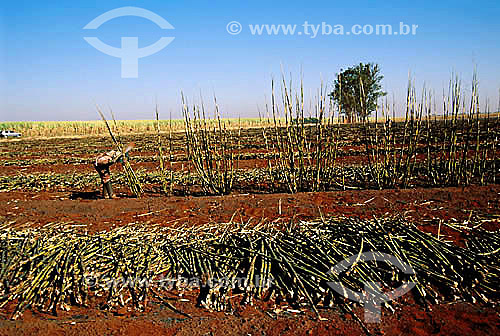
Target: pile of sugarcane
(59, 265)
(46, 182)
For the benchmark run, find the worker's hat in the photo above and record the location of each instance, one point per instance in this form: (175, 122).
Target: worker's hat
(114, 154)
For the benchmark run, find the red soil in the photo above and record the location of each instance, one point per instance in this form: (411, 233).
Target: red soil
(456, 319)
(420, 204)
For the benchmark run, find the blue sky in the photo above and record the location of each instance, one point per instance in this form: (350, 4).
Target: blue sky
(49, 72)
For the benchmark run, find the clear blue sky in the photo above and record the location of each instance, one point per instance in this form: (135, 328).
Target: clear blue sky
(48, 72)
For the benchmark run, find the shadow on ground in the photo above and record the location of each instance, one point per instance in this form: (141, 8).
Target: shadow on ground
(87, 195)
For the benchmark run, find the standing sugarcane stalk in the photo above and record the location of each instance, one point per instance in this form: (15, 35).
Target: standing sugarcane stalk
(211, 151)
(170, 154)
(160, 153)
(303, 156)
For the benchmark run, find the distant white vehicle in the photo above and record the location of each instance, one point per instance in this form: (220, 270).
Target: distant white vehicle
(9, 134)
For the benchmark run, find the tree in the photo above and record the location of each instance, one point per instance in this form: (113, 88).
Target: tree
(357, 89)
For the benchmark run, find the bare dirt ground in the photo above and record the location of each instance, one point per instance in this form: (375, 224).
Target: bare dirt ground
(102, 214)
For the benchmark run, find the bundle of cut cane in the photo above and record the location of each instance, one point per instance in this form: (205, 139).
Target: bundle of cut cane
(132, 180)
(57, 266)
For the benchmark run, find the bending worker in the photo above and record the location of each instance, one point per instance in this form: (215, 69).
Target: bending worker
(102, 164)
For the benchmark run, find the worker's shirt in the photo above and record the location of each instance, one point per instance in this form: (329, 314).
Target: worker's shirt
(102, 164)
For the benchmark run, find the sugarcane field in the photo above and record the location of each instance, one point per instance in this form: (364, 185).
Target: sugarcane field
(249, 168)
(217, 224)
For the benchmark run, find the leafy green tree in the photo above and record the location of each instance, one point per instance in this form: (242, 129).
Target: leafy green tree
(357, 89)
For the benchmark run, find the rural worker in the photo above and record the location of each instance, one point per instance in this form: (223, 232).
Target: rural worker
(102, 164)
